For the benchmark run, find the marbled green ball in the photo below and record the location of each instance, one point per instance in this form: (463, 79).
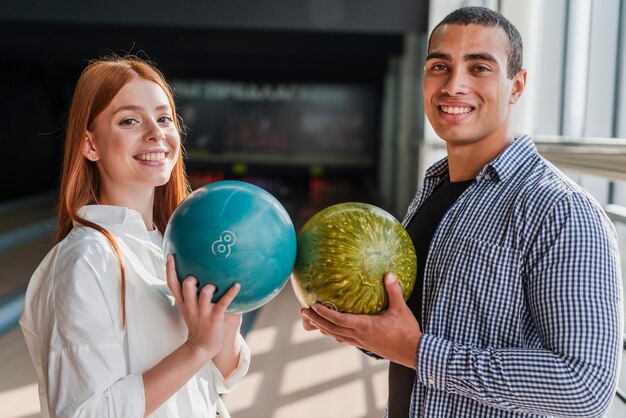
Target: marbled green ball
(343, 253)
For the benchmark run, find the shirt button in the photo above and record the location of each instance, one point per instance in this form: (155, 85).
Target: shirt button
(431, 381)
(488, 176)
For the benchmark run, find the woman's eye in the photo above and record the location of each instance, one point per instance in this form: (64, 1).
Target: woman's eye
(165, 119)
(129, 122)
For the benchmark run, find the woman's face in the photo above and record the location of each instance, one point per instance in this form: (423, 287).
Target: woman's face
(134, 140)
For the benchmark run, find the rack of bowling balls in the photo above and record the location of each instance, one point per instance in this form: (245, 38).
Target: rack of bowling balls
(233, 231)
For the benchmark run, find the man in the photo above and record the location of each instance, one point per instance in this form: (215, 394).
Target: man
(519, 289)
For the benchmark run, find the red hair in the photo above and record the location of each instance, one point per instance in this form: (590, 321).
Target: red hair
(98, 84)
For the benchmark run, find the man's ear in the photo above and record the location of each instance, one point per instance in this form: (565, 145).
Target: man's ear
(89, 150)
(519, 83)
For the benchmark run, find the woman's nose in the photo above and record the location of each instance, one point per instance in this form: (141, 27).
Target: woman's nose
(155, 133)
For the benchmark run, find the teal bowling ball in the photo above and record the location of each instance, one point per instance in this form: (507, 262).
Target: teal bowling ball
(231, 232)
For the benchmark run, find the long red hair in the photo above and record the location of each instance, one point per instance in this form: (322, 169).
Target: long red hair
(98, 84)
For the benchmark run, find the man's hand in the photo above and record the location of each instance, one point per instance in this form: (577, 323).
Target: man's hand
(392, 334)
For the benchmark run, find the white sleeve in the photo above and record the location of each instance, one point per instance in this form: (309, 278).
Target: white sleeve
(226, 385)
(86, 364)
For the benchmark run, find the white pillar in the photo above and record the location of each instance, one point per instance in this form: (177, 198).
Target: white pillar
(526, 16)
(576, 67)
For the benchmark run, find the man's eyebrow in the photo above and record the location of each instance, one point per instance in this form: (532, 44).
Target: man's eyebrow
(437, 55)
(479, 56)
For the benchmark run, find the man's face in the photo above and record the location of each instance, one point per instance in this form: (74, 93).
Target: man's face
(467, 94)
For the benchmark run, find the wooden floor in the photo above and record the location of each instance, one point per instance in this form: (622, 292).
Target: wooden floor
(294, 373)
(18, 382)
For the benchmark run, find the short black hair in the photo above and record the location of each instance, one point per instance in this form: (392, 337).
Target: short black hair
(487, 17)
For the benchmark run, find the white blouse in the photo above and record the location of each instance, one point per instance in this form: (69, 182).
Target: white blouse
(87, 365)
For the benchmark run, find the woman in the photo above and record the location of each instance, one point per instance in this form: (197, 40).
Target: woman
(106, 335)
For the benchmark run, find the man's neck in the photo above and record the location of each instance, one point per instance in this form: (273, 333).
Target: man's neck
(466, 160)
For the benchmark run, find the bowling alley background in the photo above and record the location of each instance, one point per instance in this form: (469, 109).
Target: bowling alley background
(298, 97)
(311, 100)
(310, 144)
(316, 101)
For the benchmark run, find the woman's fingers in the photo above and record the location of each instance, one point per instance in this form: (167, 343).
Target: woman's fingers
(204, 299)
(228, 297)
(190, 293)
(206, 295)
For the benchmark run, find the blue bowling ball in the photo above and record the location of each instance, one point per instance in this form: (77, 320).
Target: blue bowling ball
(231, 232)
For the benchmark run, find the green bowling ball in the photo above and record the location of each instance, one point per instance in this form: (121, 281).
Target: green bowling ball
(343, 253)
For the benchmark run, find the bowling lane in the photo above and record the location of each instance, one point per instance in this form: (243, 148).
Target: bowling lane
(26, 230)
(26, 235)
(18, 264)
(18, 381)
(302, 374)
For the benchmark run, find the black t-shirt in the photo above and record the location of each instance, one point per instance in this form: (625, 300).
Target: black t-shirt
(421, 229)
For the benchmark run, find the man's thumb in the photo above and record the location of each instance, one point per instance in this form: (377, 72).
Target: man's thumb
(394, 291)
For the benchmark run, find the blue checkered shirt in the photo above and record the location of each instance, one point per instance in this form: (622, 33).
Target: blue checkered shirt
(522, 300)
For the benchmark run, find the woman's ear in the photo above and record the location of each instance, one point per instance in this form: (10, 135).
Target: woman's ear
(89, 150)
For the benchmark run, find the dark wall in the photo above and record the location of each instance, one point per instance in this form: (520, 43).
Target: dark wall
(388, 16)
(31, 134)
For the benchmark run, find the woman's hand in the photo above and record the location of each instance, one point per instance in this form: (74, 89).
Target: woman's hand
(206, 321)
(208, 330)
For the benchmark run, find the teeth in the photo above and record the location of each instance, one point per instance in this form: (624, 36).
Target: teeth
(455, 110)
(154, 156)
